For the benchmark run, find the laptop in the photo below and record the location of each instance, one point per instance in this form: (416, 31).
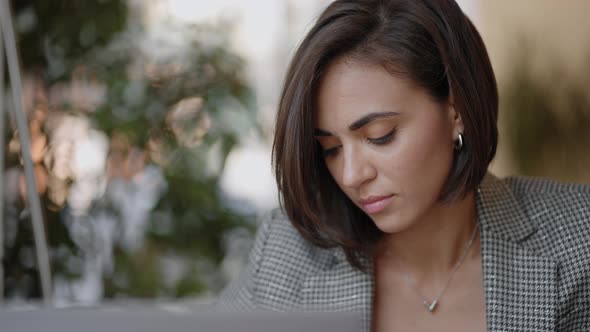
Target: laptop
(158, 320)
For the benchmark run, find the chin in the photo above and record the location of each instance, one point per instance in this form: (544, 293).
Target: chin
(390, 224)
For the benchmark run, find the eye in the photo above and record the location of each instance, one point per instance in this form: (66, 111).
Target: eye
(383, 139)
(331, 151)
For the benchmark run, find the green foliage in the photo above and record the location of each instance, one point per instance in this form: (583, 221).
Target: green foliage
(184, 111)
(54, 34)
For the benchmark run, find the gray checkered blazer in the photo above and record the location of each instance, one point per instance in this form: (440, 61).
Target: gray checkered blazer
(535, 248)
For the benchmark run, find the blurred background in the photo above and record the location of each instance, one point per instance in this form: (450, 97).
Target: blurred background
(151, 120)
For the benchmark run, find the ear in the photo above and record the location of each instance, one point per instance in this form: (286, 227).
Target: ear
(455, 118)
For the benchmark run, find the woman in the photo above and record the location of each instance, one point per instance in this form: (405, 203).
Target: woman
(385, 130)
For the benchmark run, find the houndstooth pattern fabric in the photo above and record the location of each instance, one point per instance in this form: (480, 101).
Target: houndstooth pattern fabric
(535, 247)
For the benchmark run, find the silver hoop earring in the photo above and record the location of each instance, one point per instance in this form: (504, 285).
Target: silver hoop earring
(459, 142)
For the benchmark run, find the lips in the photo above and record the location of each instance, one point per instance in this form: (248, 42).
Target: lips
(375, 204)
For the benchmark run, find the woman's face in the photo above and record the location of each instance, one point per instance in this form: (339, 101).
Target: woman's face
(387, 143)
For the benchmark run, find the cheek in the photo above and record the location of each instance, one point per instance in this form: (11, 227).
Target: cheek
(432, 144)
(335, 170)
(422, 157)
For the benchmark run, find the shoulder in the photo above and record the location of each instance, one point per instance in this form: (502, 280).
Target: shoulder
(524, 186)
(561, 213)
(553, 205)
(279, 263)
(279, 246)
(548, 217)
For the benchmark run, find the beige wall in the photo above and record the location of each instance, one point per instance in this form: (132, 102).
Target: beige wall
(556, 32)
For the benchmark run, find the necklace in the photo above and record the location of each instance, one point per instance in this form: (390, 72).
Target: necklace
(431, 305)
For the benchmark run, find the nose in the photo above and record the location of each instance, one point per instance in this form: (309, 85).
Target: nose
(357, 169)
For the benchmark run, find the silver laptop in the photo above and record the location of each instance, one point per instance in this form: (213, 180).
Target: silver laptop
(155, 320)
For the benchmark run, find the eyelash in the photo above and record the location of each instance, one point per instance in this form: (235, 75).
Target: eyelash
(383, 139)
(387, 138)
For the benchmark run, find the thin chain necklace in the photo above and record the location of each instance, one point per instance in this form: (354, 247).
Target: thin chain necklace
(431, 305)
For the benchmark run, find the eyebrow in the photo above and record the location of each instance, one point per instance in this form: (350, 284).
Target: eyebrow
(358, 124)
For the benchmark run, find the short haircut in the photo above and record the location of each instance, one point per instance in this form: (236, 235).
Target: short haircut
(430, 42)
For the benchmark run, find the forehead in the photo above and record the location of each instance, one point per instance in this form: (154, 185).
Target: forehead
(350, 89)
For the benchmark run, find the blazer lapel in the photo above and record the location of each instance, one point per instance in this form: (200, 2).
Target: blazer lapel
(520, 285)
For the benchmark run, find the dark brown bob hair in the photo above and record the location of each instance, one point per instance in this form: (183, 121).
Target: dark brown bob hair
(430, 42)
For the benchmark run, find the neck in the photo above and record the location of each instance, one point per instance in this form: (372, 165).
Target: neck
(434, 244)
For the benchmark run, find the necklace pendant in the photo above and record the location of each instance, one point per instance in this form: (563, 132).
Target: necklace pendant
(430, 306)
